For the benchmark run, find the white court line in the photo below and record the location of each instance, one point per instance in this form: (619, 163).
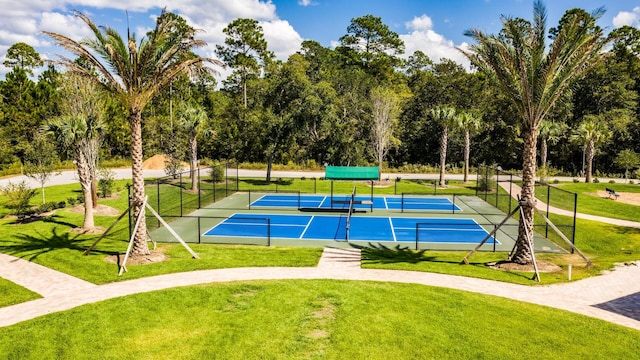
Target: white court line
(386, 203)
(393, 232)
(307, 227)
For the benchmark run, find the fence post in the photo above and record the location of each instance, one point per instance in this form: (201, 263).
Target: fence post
(180, 182)
(315, 185)
(129, 213)
(199, 232)
(510, 194)
(395, 186)
(198, 183)
(226, 183)
(575, 212)
(158, 192)
(546, 226)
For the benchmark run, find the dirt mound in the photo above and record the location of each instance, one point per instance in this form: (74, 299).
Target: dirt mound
(156, 162)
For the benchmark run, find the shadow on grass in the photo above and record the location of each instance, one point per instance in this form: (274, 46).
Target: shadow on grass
(29, 246)
(261, 182)
(380, 254)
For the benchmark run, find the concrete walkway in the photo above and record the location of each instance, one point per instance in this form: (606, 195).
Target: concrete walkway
(613, 297)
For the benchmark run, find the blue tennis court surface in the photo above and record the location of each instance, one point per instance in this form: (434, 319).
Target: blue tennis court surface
(332, 227)
(362, 202)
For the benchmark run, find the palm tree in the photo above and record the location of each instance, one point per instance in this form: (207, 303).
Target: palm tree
(468, 123)
(534, 79)
(191, 118)
(591, 132)
(550, 133)
(134, 72)
(445, 116)
(83, 136)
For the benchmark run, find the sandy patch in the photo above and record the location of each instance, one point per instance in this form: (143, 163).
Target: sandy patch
(100, 210)
(157, 162)
(625, 197)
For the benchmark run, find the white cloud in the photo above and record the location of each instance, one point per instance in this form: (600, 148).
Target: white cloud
(420, 23)
(306, 3)
(424, 38)
(283, 40)
(25, 19)
(627, 18)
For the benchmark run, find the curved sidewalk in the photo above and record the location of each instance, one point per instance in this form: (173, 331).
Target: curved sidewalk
(613, 297)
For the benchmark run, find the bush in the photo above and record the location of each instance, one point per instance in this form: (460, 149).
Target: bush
(106, 182)
(556, 181)
(485, 179)
(612, 181)
(596, 181)
(18, 197)
(576, 180)
(217, 173)
(62, 204)
(71, 201)
(46, 207)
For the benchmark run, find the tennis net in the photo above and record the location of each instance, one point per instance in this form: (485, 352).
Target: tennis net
(351, 210)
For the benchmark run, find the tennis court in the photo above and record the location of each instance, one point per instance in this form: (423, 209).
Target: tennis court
(361, 202)
(370, 228)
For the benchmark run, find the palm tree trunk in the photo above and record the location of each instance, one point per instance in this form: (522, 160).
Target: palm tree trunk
(193, 157)
(543, 152)
(589, 156)
(140, 238)
(85, 178)
(467, 151)
(443, 153)
(94, 191)
(522, 254)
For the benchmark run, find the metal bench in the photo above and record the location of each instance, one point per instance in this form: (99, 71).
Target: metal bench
(613, 193)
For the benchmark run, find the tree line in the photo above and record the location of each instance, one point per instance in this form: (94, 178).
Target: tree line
(322, 106)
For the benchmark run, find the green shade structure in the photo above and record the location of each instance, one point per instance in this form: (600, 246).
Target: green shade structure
(351, 173)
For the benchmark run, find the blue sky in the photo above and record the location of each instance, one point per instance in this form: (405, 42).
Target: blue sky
(435, 27)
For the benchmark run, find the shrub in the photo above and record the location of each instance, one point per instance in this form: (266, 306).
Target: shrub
(576, 180)
(596, 181)
(556, 181)
(18, 197)
(71, 201)
(62, 204)
(217, 173)
(485, 179)
(106, 182)
(612, 181)
(631, 182)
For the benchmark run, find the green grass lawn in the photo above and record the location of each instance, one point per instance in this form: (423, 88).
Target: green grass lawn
(589, 202)
(11, 293)
(315, 319)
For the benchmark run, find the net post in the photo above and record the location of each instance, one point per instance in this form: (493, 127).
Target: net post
(331, 197)
(249, 199)
(453, 204)
(199, 231)
(298, 199)
(371, 205)
(402, 203)
(268, 232)
(417, 232)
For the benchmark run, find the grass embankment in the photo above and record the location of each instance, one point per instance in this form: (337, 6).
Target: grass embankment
(589, 202)
(315, 319)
